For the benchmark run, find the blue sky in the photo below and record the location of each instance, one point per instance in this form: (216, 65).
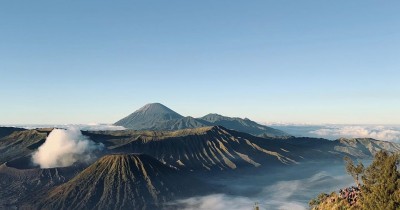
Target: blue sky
(278, 61)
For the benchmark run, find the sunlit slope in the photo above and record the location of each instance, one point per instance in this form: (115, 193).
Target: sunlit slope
(218, 148)
(129, 181)
(205, 148)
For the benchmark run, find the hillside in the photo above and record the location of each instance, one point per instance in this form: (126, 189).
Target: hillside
(243, 125)
(20, 142)
(20, 181)
(218, 148)
(129, 181)
(206, 148)
(364, 147)
(5, 131)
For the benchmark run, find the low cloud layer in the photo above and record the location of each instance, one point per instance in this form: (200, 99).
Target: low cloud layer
(89, 127)
(377, 132)
(63, 148)
(293, 194)
(333, 132)
(216, 202)
(99, 127)
(222, 202)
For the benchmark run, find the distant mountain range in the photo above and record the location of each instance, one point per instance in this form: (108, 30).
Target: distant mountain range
(156, 116)
(148, 169)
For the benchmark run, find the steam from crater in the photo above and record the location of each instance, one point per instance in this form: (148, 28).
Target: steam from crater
(63, 148)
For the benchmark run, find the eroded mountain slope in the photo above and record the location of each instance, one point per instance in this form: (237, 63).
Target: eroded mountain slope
(118, 181)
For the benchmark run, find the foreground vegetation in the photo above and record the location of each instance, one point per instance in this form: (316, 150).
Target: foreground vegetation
(378, 186)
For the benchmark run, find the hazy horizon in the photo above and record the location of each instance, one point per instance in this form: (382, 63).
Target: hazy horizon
(328, 131)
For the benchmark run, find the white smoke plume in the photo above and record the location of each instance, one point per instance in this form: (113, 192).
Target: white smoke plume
(63, 148)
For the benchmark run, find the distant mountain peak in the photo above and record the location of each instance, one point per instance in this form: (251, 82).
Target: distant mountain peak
(153, 105)
(213, 114)
(156, 116)
(147, 116)
(158, 108)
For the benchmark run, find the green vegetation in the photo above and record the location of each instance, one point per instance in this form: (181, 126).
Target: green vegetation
(381, 183)
(354, 170)
(379, 186)
(318, 200)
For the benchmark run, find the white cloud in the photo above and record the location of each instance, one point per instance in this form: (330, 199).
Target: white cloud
(99, 126)
(90, 126)
(63, 148)
(377, 132)
(280, 195)
(216, 202)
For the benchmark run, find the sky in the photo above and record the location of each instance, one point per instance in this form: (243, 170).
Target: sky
(81, 61)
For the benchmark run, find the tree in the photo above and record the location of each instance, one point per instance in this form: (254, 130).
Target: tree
(381, 189)
(354, 170)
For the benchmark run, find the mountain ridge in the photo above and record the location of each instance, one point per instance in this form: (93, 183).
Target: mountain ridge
(216, 148)
(161, 117)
